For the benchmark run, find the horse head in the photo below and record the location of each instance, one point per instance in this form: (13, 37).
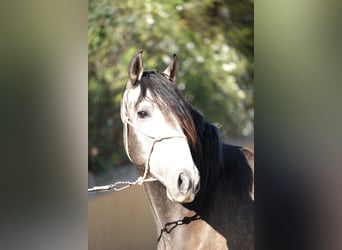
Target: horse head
(156, 129)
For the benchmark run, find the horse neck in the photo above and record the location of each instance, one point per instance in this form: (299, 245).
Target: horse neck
(163, 209)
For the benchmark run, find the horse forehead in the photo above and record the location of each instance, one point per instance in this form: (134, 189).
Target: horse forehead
(132, 95)
(132, 99)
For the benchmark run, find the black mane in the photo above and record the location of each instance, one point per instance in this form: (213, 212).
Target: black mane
(216, 159)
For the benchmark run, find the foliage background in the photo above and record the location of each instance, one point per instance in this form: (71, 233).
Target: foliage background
(214, 40)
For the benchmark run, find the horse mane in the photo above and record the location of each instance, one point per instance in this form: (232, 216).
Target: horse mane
(216, 159)
(212, 157)
(207, 153)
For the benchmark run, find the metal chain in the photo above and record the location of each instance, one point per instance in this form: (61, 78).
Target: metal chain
(168, 227)
(121, 185)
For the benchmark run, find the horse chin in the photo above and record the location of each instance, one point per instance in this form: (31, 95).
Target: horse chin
(180, 198)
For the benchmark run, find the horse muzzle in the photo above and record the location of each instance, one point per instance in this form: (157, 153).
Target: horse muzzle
(185, 188)
(172, 164)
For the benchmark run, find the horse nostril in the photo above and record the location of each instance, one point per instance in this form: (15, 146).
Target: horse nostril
(197, 188)
(184, 183)
(180, 180)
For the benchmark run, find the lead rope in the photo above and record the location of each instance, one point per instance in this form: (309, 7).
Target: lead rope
(141, 179)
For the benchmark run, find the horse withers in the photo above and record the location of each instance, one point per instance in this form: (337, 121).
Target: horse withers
(203, 194)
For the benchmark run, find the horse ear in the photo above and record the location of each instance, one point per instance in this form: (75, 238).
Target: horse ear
(135, 69)
(172, 69)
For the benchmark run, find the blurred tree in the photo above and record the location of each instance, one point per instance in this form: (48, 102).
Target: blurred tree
(214, 40)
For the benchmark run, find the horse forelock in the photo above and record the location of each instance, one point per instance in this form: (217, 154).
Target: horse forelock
(167, 96)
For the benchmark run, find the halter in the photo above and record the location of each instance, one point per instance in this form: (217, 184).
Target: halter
(144, 178)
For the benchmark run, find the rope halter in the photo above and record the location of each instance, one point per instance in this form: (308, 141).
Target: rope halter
(155, 139)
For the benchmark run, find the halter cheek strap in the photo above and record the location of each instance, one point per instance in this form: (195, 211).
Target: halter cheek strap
(126, 140)
(154, 139)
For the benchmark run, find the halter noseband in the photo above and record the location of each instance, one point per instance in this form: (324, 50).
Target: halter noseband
(144, 178)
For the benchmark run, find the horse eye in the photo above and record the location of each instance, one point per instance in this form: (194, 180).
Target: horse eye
(142, 114)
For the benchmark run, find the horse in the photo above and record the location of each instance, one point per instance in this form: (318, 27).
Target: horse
(200, 189)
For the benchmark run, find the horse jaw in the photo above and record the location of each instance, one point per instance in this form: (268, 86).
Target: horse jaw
(172, 164)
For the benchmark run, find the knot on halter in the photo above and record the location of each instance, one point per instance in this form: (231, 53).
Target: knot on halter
(140, 180)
